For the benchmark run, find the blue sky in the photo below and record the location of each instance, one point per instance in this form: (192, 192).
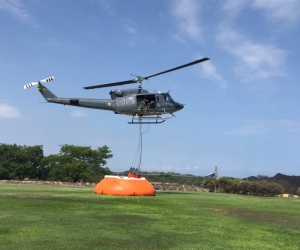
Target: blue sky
(242, 106)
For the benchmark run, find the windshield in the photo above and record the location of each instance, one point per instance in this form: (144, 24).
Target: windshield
(168, 98)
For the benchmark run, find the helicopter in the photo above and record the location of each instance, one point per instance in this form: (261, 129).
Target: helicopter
(143, 106)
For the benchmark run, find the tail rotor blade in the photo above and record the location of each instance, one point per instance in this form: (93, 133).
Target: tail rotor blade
(31, 84)
(47, 79)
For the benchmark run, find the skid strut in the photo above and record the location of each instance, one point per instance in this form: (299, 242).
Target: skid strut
(148, 119)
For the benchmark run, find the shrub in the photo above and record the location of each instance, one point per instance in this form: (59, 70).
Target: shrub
(227, 185)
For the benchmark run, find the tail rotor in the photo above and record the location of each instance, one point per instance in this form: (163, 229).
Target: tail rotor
(31, 84)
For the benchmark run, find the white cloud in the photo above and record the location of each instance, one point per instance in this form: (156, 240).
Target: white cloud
(16, 8)
(259, 127)
(287, 125)
(128, 26)
(130, 29)
(262, 60)
(209, 71)
(79, 113)
(255, 60)
(186, 13)
(233, 7)
(52, 41)
(282, 12)
(255, 129)
(108, 5)
(279, 11)
(7, 111)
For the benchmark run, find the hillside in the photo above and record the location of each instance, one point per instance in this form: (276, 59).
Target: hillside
(290, 183)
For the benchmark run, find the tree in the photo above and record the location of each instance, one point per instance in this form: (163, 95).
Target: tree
(211, 184)
(32, 157)
(17, 162)
(75, 163)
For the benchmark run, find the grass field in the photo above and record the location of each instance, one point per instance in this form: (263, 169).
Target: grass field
(52, 217)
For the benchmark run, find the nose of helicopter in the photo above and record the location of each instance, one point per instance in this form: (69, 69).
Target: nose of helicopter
(178, 106)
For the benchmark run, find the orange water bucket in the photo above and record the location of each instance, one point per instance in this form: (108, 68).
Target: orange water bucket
(124, 186)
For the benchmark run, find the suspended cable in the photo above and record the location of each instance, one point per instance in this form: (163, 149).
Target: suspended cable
(136, 164)
(133, 165)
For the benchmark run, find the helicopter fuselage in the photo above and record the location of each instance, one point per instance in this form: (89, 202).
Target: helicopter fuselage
(127, 102)
(141, 102)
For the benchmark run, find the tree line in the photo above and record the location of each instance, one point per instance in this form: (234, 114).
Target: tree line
(77, 163)
(224, 185)
(235, 186)
(173, 178)
(71, 164)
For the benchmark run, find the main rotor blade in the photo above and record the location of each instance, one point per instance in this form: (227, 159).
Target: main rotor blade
(140, 79)
(110, 84)
(180, 67)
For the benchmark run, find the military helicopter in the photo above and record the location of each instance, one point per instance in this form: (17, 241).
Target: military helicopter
(144, 107)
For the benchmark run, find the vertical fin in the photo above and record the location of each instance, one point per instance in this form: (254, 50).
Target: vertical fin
(46, 93)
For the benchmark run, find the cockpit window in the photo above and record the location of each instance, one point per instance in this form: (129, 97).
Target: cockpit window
(168, 98)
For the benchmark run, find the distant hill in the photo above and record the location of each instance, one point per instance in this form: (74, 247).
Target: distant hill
(290, 183)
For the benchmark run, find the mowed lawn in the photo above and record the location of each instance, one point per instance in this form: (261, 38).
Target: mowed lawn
(55, 217)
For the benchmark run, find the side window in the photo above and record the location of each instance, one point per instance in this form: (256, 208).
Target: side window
(130, 100)
(120, 101)
(158, 101)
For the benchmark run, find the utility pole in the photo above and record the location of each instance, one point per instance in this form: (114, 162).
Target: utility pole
(216, 172)
(216, 176)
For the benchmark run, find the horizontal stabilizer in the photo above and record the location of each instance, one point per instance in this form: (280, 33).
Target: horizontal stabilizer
(29, 85)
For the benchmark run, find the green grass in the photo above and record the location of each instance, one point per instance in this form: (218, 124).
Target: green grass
(53, 217)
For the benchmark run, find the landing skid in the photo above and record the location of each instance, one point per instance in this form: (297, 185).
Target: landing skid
(142, 119)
